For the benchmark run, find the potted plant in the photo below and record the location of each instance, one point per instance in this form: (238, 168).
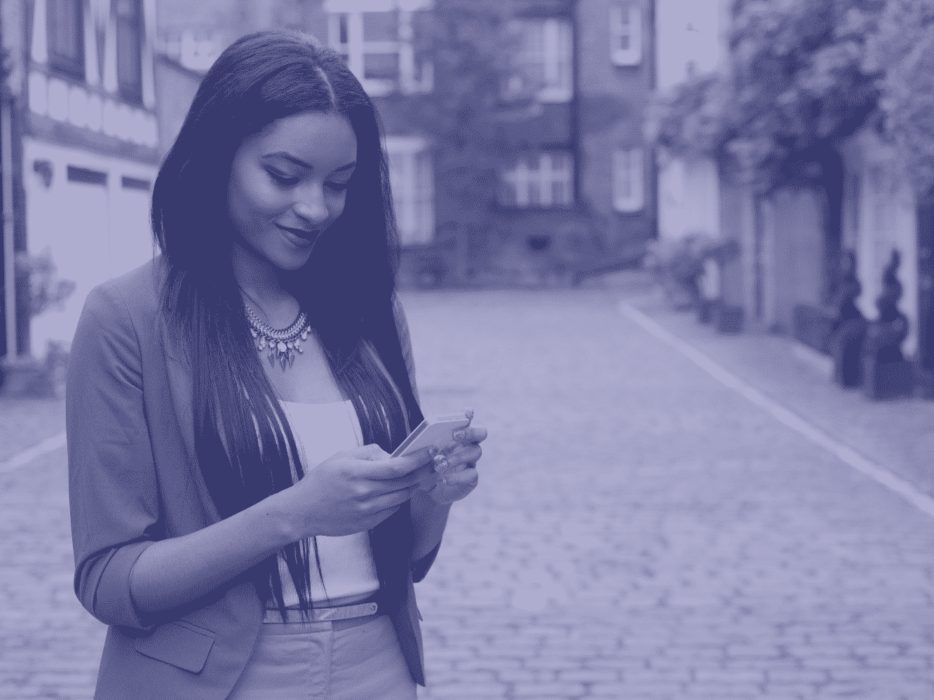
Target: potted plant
(29, 376)
(678, 266)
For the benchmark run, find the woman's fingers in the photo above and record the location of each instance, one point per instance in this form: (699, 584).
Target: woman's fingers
(472, 433)
(384, 482)
(370, 453)
(397, 468)
(375, 478)
(456, 485)
(387, 501)
(463, 454)
(467, 475)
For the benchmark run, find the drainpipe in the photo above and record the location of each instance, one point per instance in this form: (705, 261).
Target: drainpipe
(6, 189)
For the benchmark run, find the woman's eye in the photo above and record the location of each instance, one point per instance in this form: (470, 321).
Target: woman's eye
(281, 178)
(338, 186)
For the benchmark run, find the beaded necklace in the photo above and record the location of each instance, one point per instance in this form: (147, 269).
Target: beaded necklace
(278, 344)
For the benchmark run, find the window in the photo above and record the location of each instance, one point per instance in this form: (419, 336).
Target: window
(377, 46)
(626, 35)
(65, 25)
(543, 62)
(86, 175)
(411, 174)
(628, 180)
(135, 183)
(129, 49)
(540, 180)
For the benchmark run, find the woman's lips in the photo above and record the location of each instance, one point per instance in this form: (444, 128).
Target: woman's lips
(303, 237)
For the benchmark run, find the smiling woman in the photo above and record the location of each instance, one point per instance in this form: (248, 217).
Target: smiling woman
(239, 523)
(288, 183)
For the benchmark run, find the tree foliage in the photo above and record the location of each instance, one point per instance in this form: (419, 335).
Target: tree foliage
(469, 44)
(902, 51)
(46, 290)
(795, 82)
(690, 120)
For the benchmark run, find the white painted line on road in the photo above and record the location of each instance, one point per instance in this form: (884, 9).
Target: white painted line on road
(920, 500)
(26, 456)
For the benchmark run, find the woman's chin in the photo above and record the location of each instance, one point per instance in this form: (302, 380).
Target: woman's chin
(292, 262)
(295, 250)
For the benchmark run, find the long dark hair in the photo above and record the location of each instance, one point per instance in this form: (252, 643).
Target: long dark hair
(346, 287)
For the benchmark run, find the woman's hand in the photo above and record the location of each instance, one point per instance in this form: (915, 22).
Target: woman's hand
(351, 492)
(354, 491)
(456, 466)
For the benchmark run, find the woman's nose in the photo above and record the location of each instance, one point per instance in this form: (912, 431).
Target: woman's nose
(311, 206)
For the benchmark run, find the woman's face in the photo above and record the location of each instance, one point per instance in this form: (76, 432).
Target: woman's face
(288, 183)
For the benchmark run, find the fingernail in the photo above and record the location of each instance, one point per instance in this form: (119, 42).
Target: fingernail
(432, 451)
(459, 434)
(441, 463)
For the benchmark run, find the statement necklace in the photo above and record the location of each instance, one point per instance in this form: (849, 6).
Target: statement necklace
(282, 344)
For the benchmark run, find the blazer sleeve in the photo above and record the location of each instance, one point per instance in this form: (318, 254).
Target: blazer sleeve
(113, 490)
(420, 567)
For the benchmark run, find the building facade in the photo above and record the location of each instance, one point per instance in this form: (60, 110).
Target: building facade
(574, 182)
(779, 239)
(579, 192)
(98, 88)
(80, 153)
(690, 40)
(784, 238)
(574, 185)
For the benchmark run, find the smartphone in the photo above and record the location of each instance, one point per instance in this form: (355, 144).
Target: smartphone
(437, 431)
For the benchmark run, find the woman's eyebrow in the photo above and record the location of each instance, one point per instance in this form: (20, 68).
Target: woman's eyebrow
(298, 161)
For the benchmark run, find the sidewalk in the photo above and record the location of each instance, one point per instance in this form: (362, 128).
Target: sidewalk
(24, 423)
(897, 435)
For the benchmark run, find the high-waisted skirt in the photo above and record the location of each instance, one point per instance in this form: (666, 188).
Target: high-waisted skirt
(356, 659)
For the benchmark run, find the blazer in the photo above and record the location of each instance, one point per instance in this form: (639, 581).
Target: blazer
(134, 480)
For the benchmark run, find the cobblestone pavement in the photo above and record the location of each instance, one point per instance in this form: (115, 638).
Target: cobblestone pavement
(26, 422)
(49, 646)
(640, 532)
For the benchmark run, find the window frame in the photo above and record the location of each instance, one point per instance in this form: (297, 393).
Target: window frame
(411, 168)
(356, 47)
(556, 59)
(629, 169)
(521, 177)
(626, 22)
(130, 90)
(71, 66)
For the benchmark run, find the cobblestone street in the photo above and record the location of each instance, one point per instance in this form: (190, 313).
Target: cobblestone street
(641, 531)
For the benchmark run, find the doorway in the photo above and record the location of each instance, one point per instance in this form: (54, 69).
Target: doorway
(926, 286)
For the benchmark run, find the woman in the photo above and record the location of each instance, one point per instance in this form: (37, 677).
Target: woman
(237, 520)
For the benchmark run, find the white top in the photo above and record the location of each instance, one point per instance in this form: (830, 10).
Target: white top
(347, 565)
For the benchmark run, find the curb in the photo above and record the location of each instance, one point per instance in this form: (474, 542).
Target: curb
(844, 453)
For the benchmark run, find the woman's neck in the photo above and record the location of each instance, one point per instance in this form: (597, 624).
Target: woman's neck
(261, 286)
